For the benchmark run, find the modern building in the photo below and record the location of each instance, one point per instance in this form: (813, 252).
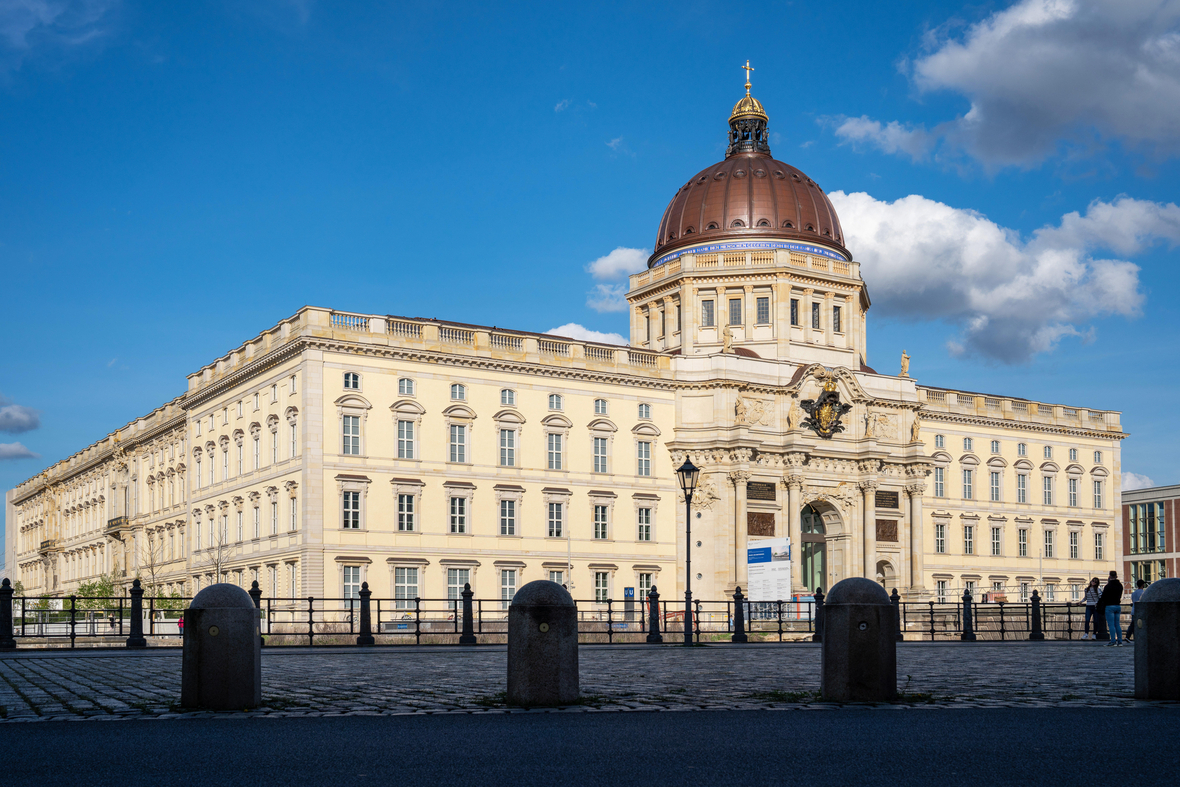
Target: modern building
(1149, 538)
(416, 455)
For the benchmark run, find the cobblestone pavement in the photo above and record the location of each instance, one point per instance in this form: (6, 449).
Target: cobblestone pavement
(56, 685)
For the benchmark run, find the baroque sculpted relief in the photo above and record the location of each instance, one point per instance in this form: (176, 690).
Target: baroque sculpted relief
(752, 412)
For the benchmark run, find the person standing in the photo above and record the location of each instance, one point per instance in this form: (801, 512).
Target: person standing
(1111, 599)
(1135, 594)
(1092, 594)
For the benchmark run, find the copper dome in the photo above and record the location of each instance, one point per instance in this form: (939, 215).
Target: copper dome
(749, 196)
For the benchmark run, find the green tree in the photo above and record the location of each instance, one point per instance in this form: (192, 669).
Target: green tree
(18, 590)
(97, 593)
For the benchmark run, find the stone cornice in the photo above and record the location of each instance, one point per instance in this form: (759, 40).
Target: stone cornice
(1026, 426)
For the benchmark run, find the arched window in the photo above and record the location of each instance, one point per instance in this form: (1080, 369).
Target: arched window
(600, 407)
(555, 401)
(352, 381)
(508, 397)
(458, 392)
(645, 411)
(405, 387)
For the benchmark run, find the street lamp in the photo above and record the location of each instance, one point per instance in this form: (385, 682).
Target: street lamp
(688, 474)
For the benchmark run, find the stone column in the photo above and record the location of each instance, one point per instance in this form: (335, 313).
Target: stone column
(915, 491)
(669, 322)
(868, 489)
(795, 528)
(749, 314)
(851, 328)
(688, 309)
(739, 478)
(805, 313)
(826, 319)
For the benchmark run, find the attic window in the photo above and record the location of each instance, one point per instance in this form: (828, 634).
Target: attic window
(689, 231)
(712, 225)
(788, 225)
(809, 228)
(828, 233)
(763, 223)
(738, 223)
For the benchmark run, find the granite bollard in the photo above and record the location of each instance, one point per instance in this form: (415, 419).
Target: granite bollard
(542, 646)
(1157, 641)
(859, 643)
(222, 661)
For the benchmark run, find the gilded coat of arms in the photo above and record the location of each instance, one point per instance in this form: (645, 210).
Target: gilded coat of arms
(823, 414)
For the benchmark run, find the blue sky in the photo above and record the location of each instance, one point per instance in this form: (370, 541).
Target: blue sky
(175, 178)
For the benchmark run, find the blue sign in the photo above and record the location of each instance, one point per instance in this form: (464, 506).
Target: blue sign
(753, 245)
(759, 555)
(628, 592)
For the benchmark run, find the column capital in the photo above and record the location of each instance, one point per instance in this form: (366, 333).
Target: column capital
(737, 476)
(793, 481)
(915, 489)
(868, 485)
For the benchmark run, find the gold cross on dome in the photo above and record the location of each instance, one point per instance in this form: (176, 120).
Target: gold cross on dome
(748, 69)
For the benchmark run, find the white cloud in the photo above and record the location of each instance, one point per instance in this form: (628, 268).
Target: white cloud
(615, 143)
(1046, 74)
(1136, 481)
(16, 418)
(607, 298)
(563, 104)
(16, 451)
(619, 264)
(1011, 298)
(891, 138)
(26, 25)
(571, 330)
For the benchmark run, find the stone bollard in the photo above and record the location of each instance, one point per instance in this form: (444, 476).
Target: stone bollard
(1036, 634)
(366, 635)
(860, 643)
(818, 636)
(968, 634)
(7, 641)
(136, 640)
(895, 600)
(1157, 641)
(222, 662)
(542, 646)
(468, 635)
(739, 616)
(256, 594)
(654, 637)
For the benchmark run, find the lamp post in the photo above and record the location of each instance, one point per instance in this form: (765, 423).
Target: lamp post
(688, 474)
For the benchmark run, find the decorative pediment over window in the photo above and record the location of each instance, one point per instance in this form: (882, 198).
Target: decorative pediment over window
(1023, 464)
(1075, 469)
(407, 407)
(459, 411)
(1099, 472)
(646, 429)
(557, 421)
(1050, 467)
(942, 458)
(353, 401)
(602, 425)
(996, 461)
(509, 417)
(969, 459)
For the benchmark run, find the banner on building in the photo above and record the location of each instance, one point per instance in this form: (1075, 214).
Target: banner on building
(768, 566)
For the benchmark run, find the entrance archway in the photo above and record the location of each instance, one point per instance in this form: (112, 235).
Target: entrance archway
(814, 549)
(886, 576)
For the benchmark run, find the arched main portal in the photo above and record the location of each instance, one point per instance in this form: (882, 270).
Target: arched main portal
(814, 549)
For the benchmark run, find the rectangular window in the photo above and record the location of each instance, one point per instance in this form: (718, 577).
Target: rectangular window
(968, 484)
(1073, 545)
(735, 311)
(212, 467)
(457, 580)
(352, 584)
(995, 446)
(1073, 454)
(763, 309)
(507, 448)
(553, 445)
(274, 392)
(600, 454)
(293, 384)
(241, 454)
(1098, 494)
(507, 586)
(1050, 592)
(405, 440)
(940, 539)
(939, 482)
(1022, 539)
(1048, 543)
(1097, 457)
(274, 446)
(794, 311)
(995, 487)
(1098, 544)
(458, 515)
(1073, 493)
(968, 444)
(256, 452)
(1048, 452)
(556, 517)
(939, 441)
(558, 577)
(969, 586)
(645, 583)
(601, 586)
(600, 522)
(458, 443)
(707, 314)
(1021, 488)
(352, 510)
(274, 517)
(645, 524)
(1024, 590)
(1075, 592)
(294, 514)
(836, 319)
(941, 590)
(644, 458)
(351, 426)
(997, 541)
(405, 387)
(968, 539)
(815, 316)
(507, 517)
(1047, 486)
(405, 513)
(257, 522)
(405, 587)
(241, 528)
(294, 442)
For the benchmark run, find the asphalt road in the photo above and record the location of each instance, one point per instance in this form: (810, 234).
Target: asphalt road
(1025, 746)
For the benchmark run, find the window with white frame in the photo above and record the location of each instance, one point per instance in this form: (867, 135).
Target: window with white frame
(558, 576)
(997, 541)
(644, 517)
(644, 412)
(939, 441)
(555, 401)
(458, 392)
(1073, 454)
(1024, 592)
(600, 407)
(274, 517)
(507, 397)
(968, 444)
(458, 443)
(1072, 488)
(600, 519)
(707, 318)
(507, 517)
(352, 510)
(968, 484)
(405, 513)
(294, 434)
(1022, 542)
(257, 448)
(1048, 452)
(556, 519)
(762, 310)
(836, 323)
(940, 538)
(645, 581)
(1099, 543)
(1097, 494)
(241, 526)
(643, 458)
(405, 387)
(1097, 457)
(458, 514)
(1048, 543)
(994, 486)
(1021, 488)
(553, 443)
(1050, 592)
(293, 384)
(274, 392)
(405, 587)
(352, 584)
(1075, 591)
(350, 426)
(274, 444)
(1047, 489)
(508, 448)
(600, 444)
(815, 326)
(995, 446)
(294, 514)
(940, 590)
(601, 586)
(507, 586)
(1022, 449)
(457, 580)
(405, 440)
(969, 586)
(1073, 544)
(939, 482)
(968, 539)
(257, 522)
(352, 381)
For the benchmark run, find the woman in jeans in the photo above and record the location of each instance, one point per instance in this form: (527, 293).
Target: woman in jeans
(1092, 594)
(1111, 598)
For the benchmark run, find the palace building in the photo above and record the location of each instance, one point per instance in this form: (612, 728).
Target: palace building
(417, 455)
